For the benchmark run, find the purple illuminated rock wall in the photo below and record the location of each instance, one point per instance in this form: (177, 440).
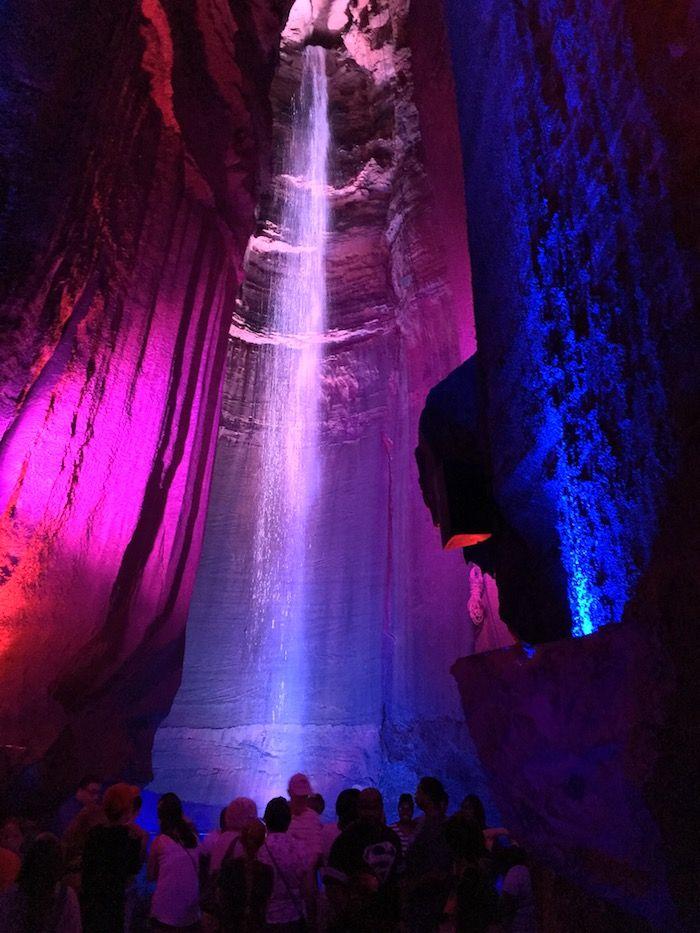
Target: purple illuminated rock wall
(130, 144)
(388, 609)
(580, 140)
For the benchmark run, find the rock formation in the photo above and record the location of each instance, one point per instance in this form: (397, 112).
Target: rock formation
(135, 150)
(130, 156)
(582, 291)
(579, 126)
(388, 607)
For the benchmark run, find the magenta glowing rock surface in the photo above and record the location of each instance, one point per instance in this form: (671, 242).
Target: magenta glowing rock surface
(337, 663)
(121, 262)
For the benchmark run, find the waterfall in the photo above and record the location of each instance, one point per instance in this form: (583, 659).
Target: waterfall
(324, 616)
(289, 474)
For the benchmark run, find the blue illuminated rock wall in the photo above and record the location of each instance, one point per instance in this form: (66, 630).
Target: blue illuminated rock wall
(581, 143)
(581, 291)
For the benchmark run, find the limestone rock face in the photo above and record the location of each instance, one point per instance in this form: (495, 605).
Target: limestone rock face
(577, 163)
(387, 608)
(130, 152)
(580, 127)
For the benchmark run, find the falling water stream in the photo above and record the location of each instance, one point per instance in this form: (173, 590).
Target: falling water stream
(289, 477)
(318, 572)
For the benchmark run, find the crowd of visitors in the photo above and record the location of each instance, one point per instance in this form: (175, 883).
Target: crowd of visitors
(100, 872)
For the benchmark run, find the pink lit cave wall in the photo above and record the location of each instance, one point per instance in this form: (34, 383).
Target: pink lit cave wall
(234, 275)
(123, 257)
(130, 161)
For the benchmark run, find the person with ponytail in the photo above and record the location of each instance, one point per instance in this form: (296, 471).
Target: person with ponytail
(173, 863)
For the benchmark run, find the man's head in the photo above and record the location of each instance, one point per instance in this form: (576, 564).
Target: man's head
(431, 796)
(252, 837)
(317, 803)
(370, 806)
(118, 802)
(346, 806)
(299, 792)
(239, 812)
(464, 836)
(278, 816)
(88, 792)
(299, 786)
(405, 808)
(42, 867)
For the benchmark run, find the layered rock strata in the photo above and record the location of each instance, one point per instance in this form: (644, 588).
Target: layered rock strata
(130, 150)
(388, 609)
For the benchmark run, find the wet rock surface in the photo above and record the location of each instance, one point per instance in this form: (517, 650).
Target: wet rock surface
(130, 153)
(583, 282)
(388, 608)
(579, 125)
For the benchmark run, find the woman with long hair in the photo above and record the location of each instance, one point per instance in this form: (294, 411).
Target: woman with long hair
(473, 809)
(244, 884)
(474, 904)
(285, 908)
(173, 864)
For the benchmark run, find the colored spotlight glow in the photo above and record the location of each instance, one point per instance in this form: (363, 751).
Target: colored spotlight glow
(466, 540)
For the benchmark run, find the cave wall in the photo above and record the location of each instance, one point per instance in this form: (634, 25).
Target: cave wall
(129, 147)
(583, 289)
(570, 740)
(388, 609)
(580, 143)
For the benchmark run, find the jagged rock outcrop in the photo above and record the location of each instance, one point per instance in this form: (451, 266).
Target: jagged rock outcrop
(130, 153)
(583, 291)
(579, 125)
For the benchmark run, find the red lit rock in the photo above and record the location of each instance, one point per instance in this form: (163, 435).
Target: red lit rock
(132, 184)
